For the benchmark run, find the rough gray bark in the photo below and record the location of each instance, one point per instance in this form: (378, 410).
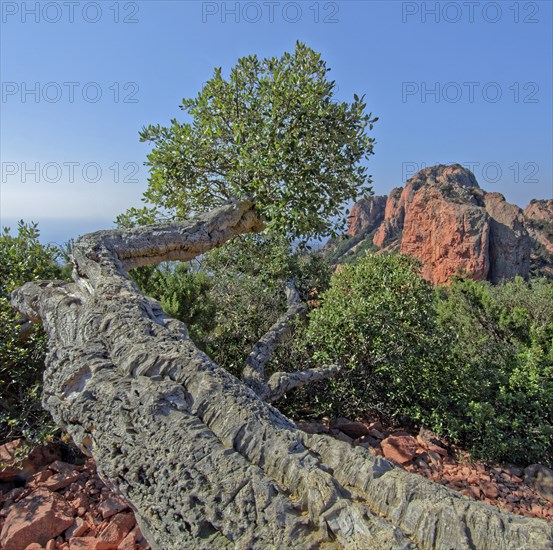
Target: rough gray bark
(204, 461)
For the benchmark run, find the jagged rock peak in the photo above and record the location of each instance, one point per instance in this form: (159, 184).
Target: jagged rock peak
(443, 174)
(443, 218)
(366, 214)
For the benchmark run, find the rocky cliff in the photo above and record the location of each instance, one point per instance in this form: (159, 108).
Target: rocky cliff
(443, 218)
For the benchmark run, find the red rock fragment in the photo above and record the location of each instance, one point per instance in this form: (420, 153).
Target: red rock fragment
(373, 432)
(16, 466)
(60, 481)
(128, 543)
(489, 489)
(111, 506)
(39, 517)
(400, 449)
(117, 529)
(84, 543)
(350, 428)
(78, 529)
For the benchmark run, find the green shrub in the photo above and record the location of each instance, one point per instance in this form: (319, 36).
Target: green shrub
(503, 339)
(378, 320)
(249, 275)
(22, 353)
(183, 293)
(233, 295)
(472, 361)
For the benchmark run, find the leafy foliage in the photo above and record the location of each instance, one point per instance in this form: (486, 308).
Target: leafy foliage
(249, 275)
(346, 249)
(472, 361)
(184, 293)
(230, 298)
(22, 258)
(503, 341)
(377, 319)
(272, 133)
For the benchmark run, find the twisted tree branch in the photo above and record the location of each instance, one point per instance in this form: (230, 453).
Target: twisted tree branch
(273, 388)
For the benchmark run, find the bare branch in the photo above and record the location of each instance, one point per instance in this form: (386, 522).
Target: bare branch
(281, 382)
(254, 372)
(112, 253)
(273, 388)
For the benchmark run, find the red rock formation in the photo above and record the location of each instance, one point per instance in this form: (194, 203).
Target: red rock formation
(393, 219)
(447, 236)
(540, 210)
(366, 214)
(539, 222)
(444, 219)
(510, 244)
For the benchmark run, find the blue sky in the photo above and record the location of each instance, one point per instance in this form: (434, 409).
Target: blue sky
(467, 82)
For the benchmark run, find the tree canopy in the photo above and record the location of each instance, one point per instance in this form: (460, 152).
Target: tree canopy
(272, 133)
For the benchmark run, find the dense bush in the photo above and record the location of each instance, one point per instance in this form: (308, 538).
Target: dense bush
(22, 352)
(232, 296)
(378, 319)
(472, 361)
(183, 292)
(503, 342)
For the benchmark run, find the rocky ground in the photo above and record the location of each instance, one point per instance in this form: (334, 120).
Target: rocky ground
(59, 505)
(525, 491)
(52, 499)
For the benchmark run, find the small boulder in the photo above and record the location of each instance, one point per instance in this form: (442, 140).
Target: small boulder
(489, 489)
(60, 481)
(16, 461)
(373, 432)
(350, 428)
(85, 543)
(430, 441)
(111, 506)
(368, 441)
(400, 449)
(128, 543)
(39, 517)
(78, 529)
(117, 529)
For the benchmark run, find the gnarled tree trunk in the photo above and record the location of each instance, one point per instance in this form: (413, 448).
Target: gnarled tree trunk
(204, 461)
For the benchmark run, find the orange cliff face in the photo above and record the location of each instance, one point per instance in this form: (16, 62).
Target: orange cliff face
(443, 218)
(446, 236)
(366, 214)
(539, 216)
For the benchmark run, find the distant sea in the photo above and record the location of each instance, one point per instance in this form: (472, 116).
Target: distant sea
(59, 232)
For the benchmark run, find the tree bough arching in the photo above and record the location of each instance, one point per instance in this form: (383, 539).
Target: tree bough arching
(202, 457)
